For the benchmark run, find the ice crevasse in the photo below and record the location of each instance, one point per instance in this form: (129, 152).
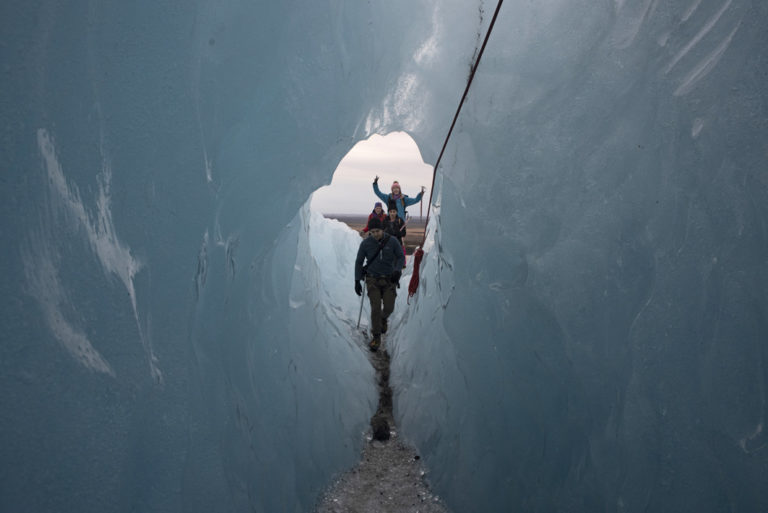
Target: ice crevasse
(590, 329)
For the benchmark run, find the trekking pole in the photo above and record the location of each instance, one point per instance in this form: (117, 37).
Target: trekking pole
(362, 299)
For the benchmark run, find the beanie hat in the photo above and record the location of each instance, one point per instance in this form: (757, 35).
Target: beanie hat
(377, 204)
(375, 224)
(395, 184)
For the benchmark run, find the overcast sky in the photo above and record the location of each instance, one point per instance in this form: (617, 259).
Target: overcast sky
(393, 157)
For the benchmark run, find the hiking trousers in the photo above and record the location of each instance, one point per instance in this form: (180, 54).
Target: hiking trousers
(380, 290)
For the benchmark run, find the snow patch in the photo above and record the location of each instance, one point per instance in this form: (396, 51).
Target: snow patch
(703, 32)
(43, 283)
(706, 65)
(698, 124)
(114, 256)
(691, 9)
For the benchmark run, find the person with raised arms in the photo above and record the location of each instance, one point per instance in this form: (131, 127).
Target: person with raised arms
(396, 198)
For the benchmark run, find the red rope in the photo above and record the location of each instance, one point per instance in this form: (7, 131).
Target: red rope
(414, 284)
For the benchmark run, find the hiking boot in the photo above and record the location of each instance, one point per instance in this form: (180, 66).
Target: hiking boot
(384, 325)
(375, 343)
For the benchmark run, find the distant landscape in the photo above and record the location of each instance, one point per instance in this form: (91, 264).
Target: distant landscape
(413, 235)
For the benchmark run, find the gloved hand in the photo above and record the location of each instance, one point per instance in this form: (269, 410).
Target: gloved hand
(376, 180)
(358, 288)
(395, 278)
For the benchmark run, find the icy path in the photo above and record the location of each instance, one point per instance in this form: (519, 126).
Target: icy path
(390, 477)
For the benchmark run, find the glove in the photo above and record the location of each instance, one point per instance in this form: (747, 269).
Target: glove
(376, 180)
(358, 288)
(395, 278)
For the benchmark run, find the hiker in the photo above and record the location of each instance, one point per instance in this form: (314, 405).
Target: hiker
(378, 211)
(395, 226)
(396, 198)
(384, 261)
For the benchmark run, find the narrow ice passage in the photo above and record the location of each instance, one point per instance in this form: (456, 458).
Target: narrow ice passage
(589, 333)
(390, 476)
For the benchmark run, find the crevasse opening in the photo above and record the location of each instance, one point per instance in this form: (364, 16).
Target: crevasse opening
(333, 244)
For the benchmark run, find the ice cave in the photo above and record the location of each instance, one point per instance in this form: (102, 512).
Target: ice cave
(590, 331)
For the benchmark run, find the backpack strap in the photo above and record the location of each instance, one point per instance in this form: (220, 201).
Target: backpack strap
(384, 241)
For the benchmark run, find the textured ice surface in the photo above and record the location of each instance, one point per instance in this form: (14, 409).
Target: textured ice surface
(590, 333)
(603, 221)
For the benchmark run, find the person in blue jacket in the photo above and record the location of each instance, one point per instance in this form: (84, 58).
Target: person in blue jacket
(396, 199)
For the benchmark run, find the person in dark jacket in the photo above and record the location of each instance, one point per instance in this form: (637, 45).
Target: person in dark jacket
(384, 258)
(378, 212)
(395, 226)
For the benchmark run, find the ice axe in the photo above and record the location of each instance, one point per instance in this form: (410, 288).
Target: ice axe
(421, 204)
(362, 298)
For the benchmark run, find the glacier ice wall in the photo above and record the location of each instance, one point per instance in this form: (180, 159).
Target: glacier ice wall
(590, 329)
(156, 158)
(604, 246)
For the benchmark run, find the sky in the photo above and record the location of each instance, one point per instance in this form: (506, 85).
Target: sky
(394, 156)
